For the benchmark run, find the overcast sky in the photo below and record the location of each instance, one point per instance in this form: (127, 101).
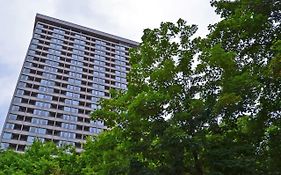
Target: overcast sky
(125, 18)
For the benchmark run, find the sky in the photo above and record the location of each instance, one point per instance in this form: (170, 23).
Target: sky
(125, 18)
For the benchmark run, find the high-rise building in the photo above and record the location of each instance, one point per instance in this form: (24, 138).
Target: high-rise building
(67, 69)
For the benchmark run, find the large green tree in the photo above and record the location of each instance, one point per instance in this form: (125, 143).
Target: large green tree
(202, 105)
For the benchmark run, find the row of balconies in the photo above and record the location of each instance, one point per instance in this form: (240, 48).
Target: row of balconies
(71, 34)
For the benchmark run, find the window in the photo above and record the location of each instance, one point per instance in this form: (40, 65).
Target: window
(98, 87)
(74, 81)
(99, 74)
(78, 63)
(75, 68)
(55, 46)
(46, 89)
(4, 146)
(42, 104)
(99, 68)
(120, 52)
(120, 68)
(30, 58)
(94, 106)
(55, 52)
(74, 88)
(38, 121)
(59, 31)
(15, 108)
(23, 77)
(99, 57)
(95, 130)
(31, 139)
(101, 123)
(76, 75)
(95, 99)
(55, 35)
(73, 95)
(57, 41)
(50, 69)
(79, 41)
(9, 126)
(43, 96)
(53, 57)
(70, 109)
(98, 80)
(69, 117)
(63, 143)
(48, 82)
(39, 26)
(33, 46)
(117, 78)
(123, 86)
(20, 92)
(12, 116)
(97, 93)
(71, 102)
(26, 70)
(100, 42)
(36, 35)
(41, 112)
(37, 30)
(68, 135)
(37, 130)
(21, 84)
(99, 52)
(77, 57)
(122, 63)
(80, 37)
(52, 63)
(118, 84)
(97, 62)
(100, 47)
(120, 47)
(97, 122)
(77, 46)
(17, 100)
(78, 52)
(68, 126)
(28, 64)
(7, 135)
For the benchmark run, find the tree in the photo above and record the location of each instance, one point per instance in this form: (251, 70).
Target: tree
(220, 115)
(249, 91)
(40, 158)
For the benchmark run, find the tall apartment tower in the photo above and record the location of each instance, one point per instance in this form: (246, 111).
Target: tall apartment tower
(67, 69)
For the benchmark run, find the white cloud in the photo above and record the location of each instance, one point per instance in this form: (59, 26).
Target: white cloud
(126, 18)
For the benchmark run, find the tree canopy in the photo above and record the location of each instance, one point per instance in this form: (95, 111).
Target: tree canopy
(194, 105)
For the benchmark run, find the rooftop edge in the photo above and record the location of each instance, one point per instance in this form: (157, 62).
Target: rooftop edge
(40, 17)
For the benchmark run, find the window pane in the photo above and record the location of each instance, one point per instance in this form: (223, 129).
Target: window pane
(7, 135)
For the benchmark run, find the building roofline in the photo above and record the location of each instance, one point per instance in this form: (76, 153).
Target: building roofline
(42, 18)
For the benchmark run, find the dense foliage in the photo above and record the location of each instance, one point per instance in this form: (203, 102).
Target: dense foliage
(193, 106)
(39, 159)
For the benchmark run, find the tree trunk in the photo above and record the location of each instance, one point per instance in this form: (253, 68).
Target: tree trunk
(198, 164)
